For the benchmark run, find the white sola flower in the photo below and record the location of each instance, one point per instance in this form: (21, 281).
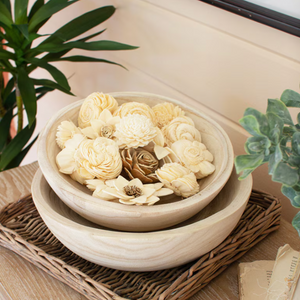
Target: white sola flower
(195, 157)
(65, 131)
(178, 178)
(165, 113)
(132, 192)
(92, 107)
(135, 131)
(181, 128)
(100, 157)
(104, 126)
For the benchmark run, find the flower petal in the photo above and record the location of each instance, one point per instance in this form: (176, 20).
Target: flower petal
(105, 115)
(90, 132)
(136, 182)
(163, 192)
(120, 183)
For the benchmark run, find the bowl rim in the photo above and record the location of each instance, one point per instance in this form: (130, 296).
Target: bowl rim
(238, 202)
(62, 183)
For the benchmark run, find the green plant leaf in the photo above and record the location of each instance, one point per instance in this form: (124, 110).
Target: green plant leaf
(289, 131)
(91, 36)
(5, 15)
(284, 174)
(278, 108)
(27, 91)
(261, 119)
(258, 145)
(251, 124)
(296, 142)
(4, 128)
(91, 46)
(55, 73)
(21, 11)
(16, 146)
(294, 161)
(275, 159)
(81, 58)
(245, 174)
(245, 162)
(296, 222)
(290, 98)
(18, 159)
(298, 118)
(23, 28)
(46, 11)
(293, 195)
(80, 25)
(6, 54)
(8, 5)
(274, 121)
(51, 84)
(35, 7)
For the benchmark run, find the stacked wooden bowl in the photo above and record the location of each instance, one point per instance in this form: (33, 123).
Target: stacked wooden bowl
(170, 233)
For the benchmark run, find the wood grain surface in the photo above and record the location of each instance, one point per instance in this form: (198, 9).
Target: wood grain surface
(20, 280)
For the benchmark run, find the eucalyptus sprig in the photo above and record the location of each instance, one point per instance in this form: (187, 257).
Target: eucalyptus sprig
(19, 58)
(275, 140)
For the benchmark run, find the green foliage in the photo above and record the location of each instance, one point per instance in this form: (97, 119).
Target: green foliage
(20, 58)
(276, 141)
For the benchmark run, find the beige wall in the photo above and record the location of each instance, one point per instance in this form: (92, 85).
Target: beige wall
(217, 61)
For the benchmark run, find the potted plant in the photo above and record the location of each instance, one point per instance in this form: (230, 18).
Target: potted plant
(275, 140)
(19, 58)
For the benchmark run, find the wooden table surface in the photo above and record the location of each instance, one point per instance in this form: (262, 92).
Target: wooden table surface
(20, 280)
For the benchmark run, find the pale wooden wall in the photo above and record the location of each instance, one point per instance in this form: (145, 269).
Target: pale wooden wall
(216, 61)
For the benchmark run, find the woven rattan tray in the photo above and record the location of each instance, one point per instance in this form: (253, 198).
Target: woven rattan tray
(23, 231)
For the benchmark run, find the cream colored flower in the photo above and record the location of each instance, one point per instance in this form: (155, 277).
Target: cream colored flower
(134, 192)
(97, 186)
(81, 175)
(65, 131)
(179, 179)
(65, 159)
(135, 131)
(137, 108)
(100, 157)
(92, 107)
(104, 126)
(195, 157)
(181, 128)
(165, 113)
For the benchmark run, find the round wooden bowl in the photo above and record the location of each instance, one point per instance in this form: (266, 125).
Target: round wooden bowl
(144, 251)
(168, 211)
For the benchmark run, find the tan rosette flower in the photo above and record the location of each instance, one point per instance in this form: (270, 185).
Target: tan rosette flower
(165, 113)
(65, 131)
(181, 128)
(135, 131)
(195, 157)
(92, 107)
(179, 179)
(104, 126)
(139, 163)
(65, 159)
(137, 108)
(134, 192)
(100, 157)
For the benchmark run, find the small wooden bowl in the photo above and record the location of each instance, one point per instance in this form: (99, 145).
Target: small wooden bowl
(144, 251)
(167, 212)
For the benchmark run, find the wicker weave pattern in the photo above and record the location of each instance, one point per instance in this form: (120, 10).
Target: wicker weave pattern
(23, 231)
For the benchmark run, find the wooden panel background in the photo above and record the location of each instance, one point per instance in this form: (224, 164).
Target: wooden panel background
(214, 60)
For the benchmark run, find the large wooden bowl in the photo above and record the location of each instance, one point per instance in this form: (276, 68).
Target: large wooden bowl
(144, 251)
(167, 212)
